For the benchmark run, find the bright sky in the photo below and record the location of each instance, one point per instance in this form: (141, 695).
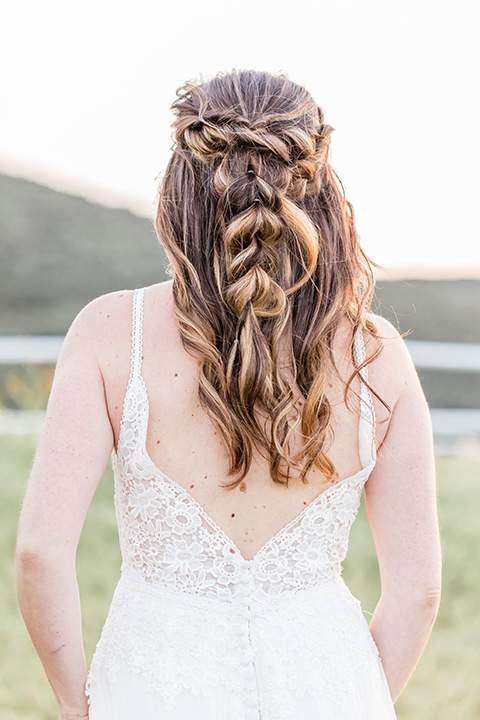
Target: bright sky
(86, 89)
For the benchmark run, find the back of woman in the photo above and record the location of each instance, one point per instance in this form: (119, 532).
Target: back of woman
(249, 402)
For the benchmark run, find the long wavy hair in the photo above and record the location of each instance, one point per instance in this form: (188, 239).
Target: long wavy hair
(265, 261)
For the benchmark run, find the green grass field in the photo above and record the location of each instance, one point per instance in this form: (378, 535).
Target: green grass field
(445, 686)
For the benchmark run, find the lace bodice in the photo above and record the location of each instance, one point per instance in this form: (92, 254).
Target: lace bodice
(166, 536)
(173, 551)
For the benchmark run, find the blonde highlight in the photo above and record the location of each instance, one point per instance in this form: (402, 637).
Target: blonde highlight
(264, 256)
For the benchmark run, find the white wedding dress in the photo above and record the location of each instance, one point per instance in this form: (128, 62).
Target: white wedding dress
(196, 632)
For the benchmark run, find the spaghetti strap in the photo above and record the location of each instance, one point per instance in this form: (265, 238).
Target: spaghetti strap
(135, 409)
(366, 427)
(137, 333)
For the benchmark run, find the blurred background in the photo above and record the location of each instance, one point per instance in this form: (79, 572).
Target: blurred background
(85, 134)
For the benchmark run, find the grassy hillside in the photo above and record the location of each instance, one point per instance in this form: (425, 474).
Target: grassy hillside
(445, 310)
(60, 251)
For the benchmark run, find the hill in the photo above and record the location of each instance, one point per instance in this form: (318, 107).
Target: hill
(443, 310)
(59, 252)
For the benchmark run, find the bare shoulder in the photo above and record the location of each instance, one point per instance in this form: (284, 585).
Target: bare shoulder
(102, 317)
(394, 362)
(391, 374)
(394, 355)
(107, 320)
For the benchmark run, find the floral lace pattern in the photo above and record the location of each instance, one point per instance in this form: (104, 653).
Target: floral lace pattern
(190, 612)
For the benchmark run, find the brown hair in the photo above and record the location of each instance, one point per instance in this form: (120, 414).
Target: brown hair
(264, 256)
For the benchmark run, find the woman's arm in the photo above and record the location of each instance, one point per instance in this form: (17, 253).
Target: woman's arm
(401, 506)
(72, 454)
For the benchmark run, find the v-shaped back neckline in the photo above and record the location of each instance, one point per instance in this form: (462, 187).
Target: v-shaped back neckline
(180, 490)
(136, 374)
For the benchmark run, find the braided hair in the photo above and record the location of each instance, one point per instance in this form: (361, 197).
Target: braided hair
(265, 261)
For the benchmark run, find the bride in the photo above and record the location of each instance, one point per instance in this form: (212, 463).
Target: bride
(248, 403)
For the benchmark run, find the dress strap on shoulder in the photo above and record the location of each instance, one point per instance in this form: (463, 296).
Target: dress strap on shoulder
(137, 332)
(367, 447)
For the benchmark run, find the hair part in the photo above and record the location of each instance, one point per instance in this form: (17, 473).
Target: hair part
(265, 261)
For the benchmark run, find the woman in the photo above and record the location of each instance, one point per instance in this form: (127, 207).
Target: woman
(258, 400)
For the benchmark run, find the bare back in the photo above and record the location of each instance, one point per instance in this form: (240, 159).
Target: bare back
(184, 443)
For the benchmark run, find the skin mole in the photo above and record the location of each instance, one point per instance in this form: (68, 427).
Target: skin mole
(233, 514)
(243, 487)
(192, 486)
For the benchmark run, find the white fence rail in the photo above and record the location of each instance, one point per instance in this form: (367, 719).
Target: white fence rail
(425, 354)
(460, 357)
(428, 355)
(29, 349)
